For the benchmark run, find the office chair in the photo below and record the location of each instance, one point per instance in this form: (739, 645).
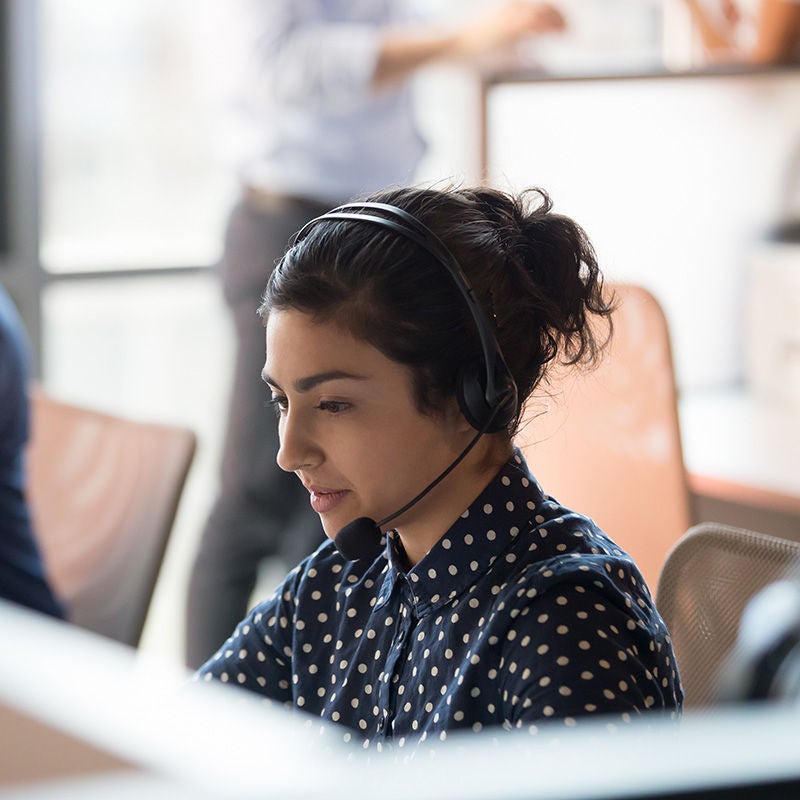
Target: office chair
(709, 579)
(606, 442)
(103, 493)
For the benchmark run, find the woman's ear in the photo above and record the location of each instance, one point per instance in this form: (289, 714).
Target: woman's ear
(455, 419)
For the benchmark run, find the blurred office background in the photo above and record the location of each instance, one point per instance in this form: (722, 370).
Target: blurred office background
(118, 152)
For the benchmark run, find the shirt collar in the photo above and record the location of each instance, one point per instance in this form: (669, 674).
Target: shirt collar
(484, 532)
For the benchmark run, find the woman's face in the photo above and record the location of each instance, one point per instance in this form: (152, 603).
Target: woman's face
(349, 427)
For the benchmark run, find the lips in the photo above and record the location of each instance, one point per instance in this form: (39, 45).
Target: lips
(324, 500)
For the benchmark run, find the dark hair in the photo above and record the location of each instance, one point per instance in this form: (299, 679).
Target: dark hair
(533, 272)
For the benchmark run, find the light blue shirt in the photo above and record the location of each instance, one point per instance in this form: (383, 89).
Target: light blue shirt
(319, 129)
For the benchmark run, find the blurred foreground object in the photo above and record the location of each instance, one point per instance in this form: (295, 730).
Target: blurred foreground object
(104, 492)
(765, 663)
(83, 717)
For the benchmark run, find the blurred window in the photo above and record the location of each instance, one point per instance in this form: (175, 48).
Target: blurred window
(136, 178)
(134, 133)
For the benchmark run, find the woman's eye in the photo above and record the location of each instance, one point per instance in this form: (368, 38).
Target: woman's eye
(333, 406)
(279, 404)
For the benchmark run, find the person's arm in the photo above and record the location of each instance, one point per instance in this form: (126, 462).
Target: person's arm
(581, 652)
(404, 51)
(715, 39)
(304, 59)
(777, 32)
(258, 654)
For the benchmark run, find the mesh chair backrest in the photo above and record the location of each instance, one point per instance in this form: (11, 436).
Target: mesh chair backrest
(707, 580)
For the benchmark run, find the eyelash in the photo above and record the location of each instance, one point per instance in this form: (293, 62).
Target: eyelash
(279, 403)
(333, 406)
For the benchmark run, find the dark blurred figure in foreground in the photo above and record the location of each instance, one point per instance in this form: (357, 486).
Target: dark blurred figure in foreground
(22, 576)
(331, 110)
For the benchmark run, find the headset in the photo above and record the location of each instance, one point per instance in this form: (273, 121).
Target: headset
(487, 392)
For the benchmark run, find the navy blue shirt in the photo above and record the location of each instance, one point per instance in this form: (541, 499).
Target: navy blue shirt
(22, 578)
(523, 611)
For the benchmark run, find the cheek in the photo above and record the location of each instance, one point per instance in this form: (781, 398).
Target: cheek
(414, 452)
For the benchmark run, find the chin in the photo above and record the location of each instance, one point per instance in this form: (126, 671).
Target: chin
(330, 532)
(332, 527)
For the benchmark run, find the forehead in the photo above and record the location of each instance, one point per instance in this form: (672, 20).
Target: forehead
(291, 332)
(297, 346)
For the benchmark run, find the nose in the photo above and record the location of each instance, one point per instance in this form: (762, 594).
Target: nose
(297, 446)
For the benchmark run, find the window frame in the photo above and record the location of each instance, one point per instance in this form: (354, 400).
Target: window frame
(21, 128)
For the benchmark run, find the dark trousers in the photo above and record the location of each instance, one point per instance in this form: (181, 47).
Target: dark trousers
(261, 510)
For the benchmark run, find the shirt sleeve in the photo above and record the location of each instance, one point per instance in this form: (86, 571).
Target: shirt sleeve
(299, 57)
(578, 651)
(258, 654)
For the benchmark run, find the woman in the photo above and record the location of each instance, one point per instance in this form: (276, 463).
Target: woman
(330, 108)
(399, 381)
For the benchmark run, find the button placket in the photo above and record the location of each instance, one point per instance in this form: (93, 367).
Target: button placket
(387, 692)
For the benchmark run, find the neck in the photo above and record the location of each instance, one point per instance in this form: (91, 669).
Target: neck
(422, 526)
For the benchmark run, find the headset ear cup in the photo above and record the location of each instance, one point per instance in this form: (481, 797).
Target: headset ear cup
(508, 402)
(472, 400)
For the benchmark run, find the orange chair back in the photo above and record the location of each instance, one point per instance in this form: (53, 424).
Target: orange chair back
(103, 493)
(606, 442)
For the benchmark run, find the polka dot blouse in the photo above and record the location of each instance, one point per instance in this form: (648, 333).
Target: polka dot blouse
(523, 611)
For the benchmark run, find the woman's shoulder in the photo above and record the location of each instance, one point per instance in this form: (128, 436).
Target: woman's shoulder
(516, 522)
(563, 547)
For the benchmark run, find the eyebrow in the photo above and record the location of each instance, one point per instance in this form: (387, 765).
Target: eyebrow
(311, 381)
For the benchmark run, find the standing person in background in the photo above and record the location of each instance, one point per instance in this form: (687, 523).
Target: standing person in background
(22, 576)
(776, 36)
(332, 111)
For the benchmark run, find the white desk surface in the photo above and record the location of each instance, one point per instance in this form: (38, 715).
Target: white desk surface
(218, 742)
(741, 449)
